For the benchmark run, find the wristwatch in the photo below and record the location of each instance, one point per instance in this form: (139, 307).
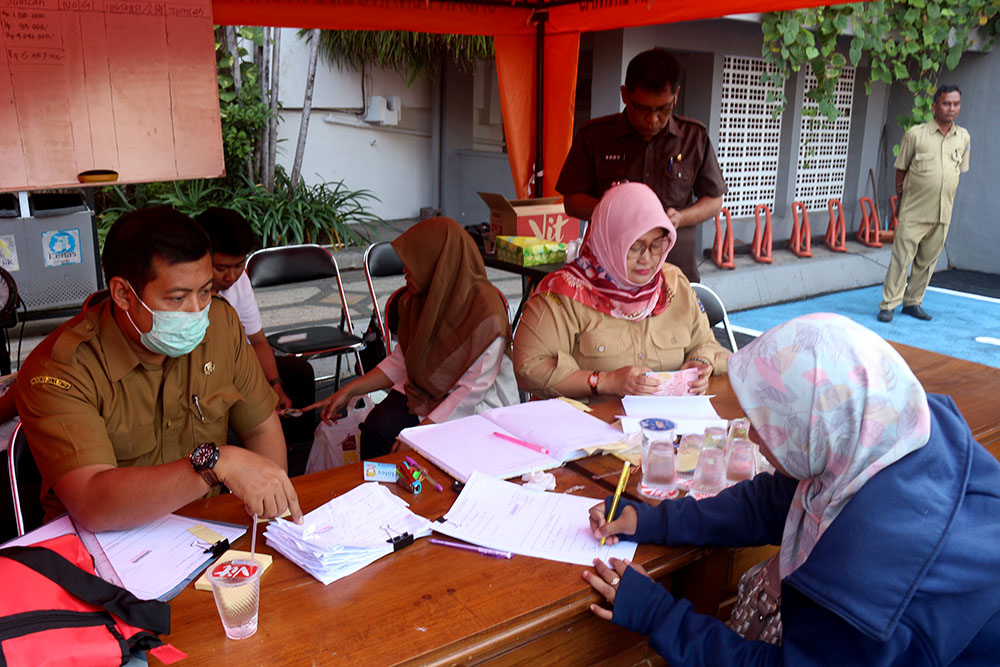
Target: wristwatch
(594, 378)
(203, 460)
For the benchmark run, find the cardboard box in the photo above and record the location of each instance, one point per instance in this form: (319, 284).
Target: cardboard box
(544, 217)
(530, 250)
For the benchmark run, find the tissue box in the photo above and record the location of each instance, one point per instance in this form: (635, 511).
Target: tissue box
(530, 250)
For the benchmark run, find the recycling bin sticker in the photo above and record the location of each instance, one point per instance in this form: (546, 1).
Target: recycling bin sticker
(61, 246)
(8, 253)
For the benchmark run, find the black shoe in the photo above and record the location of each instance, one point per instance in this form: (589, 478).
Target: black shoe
(916, 311)
(885, 316)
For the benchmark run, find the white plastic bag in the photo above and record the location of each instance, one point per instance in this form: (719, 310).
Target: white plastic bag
(339, 443)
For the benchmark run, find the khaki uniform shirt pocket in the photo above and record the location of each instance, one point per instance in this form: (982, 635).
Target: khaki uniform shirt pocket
(212, 422)
(134, 445)
(667, 346)
(601, 350)
(923, 163)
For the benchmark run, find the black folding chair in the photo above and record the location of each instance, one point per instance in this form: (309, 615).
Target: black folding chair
(302, 263)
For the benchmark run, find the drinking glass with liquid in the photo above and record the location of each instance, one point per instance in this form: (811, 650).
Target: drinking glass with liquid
(741, 462)
(659, 476)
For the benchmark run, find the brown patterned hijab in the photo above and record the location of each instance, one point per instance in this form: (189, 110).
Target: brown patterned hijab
(449, 315)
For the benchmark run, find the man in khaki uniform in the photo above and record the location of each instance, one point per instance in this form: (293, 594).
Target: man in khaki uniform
(123, 404)
(931, 157)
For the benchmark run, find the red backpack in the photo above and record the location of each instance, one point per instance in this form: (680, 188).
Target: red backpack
(54, 610)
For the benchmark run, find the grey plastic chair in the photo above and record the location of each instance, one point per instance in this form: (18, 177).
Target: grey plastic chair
(715, 310)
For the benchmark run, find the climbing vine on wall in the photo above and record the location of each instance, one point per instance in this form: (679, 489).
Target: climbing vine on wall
(912, 41)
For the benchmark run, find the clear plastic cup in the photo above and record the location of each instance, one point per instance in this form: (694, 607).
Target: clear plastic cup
(659, 477)
(741, 463)
(710, 473)
(236, 587)
(715, 438)
(689, 451)
(738, 428)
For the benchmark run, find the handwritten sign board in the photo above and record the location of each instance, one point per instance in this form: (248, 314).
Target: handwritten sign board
(106, 84)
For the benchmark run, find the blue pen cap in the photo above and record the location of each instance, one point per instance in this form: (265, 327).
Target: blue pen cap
(657, 424)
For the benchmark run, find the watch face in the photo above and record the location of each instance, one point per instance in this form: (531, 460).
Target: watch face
(203, 455)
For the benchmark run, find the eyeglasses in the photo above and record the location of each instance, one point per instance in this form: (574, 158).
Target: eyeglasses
(654, 248)
(644, 110)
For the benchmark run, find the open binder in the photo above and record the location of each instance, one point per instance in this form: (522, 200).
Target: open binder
(465, 445)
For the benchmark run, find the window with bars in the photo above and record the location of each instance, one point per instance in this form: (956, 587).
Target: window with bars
(749, 137)
(822, 164)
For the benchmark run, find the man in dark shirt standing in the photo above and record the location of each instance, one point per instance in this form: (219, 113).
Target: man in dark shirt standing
(648, 144)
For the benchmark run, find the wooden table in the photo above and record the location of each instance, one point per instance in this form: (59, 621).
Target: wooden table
(431, 605)
(425, 604)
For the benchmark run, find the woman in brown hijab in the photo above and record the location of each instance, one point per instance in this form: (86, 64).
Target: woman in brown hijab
(453, 334)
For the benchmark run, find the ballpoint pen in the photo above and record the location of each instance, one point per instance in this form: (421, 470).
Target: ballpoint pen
(523, 443)
(622, 482)
(494, 553)
(424, 474)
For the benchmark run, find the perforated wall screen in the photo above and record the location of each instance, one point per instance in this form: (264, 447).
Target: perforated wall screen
(749, 138)
(822, 163)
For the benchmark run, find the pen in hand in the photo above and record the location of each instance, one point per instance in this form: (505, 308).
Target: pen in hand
(622, 483)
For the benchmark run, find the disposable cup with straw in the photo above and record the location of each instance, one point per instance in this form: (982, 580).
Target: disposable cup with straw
(236, 587)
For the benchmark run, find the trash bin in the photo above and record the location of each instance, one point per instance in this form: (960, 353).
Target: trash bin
(52, 254)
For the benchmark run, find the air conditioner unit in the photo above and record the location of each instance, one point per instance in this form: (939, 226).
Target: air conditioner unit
(377, 110)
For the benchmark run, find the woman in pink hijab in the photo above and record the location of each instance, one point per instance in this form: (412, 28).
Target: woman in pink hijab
(605, 322)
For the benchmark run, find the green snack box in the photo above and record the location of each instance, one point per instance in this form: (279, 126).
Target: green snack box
(530, 250)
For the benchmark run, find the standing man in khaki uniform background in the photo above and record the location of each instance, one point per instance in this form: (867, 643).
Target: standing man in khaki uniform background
(931, 157)
(648, 144)
(123, 404)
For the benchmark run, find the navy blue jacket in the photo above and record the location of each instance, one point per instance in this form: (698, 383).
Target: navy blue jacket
(907, 574)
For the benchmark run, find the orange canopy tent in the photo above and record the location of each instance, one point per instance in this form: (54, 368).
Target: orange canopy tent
(537, 47)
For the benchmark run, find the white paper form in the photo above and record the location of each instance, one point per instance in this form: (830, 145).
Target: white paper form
(555, 526)
(691, 414)
(347, 533)
(153, 559)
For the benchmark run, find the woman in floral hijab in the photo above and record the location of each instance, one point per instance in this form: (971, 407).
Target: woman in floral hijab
(886, 510)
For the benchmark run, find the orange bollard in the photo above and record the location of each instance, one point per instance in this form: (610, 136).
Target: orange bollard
(836, 230)
(761, 247)
(722, 247)
(868, 231)
(801, 241)
(889, 235)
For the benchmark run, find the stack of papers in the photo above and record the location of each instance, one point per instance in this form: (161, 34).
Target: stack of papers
(463, 446)
(691, 414)
(347, 533)
(555, 526)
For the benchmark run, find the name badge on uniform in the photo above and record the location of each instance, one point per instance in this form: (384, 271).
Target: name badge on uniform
(612, 157)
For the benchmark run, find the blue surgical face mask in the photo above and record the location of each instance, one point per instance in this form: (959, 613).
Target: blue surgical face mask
(175, 332)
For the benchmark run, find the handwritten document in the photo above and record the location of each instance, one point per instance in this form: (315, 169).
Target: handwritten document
(502, 515)
(107, 84)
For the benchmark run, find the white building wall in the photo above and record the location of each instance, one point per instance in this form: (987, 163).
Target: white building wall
(393, 162)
